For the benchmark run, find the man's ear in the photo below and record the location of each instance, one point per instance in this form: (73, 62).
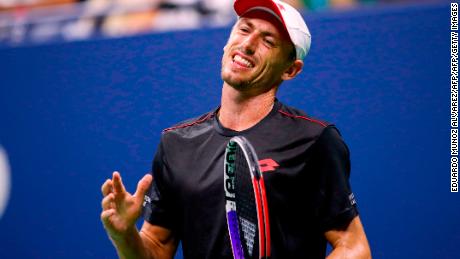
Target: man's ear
(293, 70)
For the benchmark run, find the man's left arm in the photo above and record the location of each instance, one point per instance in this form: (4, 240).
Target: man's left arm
(338, 213)
(349, 242)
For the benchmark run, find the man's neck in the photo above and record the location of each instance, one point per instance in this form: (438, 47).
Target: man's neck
(240, 111)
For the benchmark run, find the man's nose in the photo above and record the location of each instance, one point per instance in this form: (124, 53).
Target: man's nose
(249, 44)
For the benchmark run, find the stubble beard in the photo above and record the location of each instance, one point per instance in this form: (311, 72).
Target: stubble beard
(237, 84)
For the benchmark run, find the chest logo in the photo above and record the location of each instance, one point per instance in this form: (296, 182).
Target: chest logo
(267, 165)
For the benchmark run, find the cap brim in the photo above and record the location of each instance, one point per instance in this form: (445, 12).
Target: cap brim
(243, 6)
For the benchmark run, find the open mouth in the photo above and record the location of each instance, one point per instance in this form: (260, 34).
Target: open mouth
(242, 61)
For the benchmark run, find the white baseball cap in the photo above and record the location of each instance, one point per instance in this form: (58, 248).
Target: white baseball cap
(289, 17)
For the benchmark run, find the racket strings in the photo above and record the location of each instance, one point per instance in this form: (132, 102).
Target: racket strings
(246, 204)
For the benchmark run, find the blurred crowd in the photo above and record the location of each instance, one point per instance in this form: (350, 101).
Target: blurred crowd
(46, 20)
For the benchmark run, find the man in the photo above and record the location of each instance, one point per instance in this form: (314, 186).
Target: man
(309, 197)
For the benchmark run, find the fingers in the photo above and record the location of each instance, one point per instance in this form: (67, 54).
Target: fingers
(107, 187)
(116, 190)
(106, 214)
(118, 186)
(108, 202)
(143, 186)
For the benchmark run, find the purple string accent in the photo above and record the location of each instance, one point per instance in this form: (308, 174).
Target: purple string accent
(234, 235)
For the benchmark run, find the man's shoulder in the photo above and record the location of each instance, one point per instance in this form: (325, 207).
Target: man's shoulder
(298, 116)
(188, 126)
(298, 123)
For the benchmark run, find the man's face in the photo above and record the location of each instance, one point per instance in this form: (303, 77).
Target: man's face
(257, 53)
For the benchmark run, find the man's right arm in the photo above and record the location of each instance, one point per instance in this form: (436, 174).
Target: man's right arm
(120, 211)
(150, 242)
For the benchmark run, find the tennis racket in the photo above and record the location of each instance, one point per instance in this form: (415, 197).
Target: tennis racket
(245, 201)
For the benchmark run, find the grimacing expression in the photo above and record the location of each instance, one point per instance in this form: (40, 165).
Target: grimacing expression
(257, 53)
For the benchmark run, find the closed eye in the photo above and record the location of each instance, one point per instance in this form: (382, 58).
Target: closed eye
(269, 42)
(244, 29)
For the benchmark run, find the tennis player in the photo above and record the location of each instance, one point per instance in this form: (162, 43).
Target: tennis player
(305, 161)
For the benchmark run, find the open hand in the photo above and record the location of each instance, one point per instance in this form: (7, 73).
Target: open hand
(120, 209)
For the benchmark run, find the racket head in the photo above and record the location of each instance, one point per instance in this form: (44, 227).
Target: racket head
(246, 204)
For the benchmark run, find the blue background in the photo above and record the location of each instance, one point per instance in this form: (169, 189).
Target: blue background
(72, 113)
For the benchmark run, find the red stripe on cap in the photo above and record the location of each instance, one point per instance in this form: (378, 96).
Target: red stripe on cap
(242, 6)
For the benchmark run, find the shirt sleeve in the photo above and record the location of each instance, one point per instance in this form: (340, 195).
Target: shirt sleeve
(337, 205)
(157, 206)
